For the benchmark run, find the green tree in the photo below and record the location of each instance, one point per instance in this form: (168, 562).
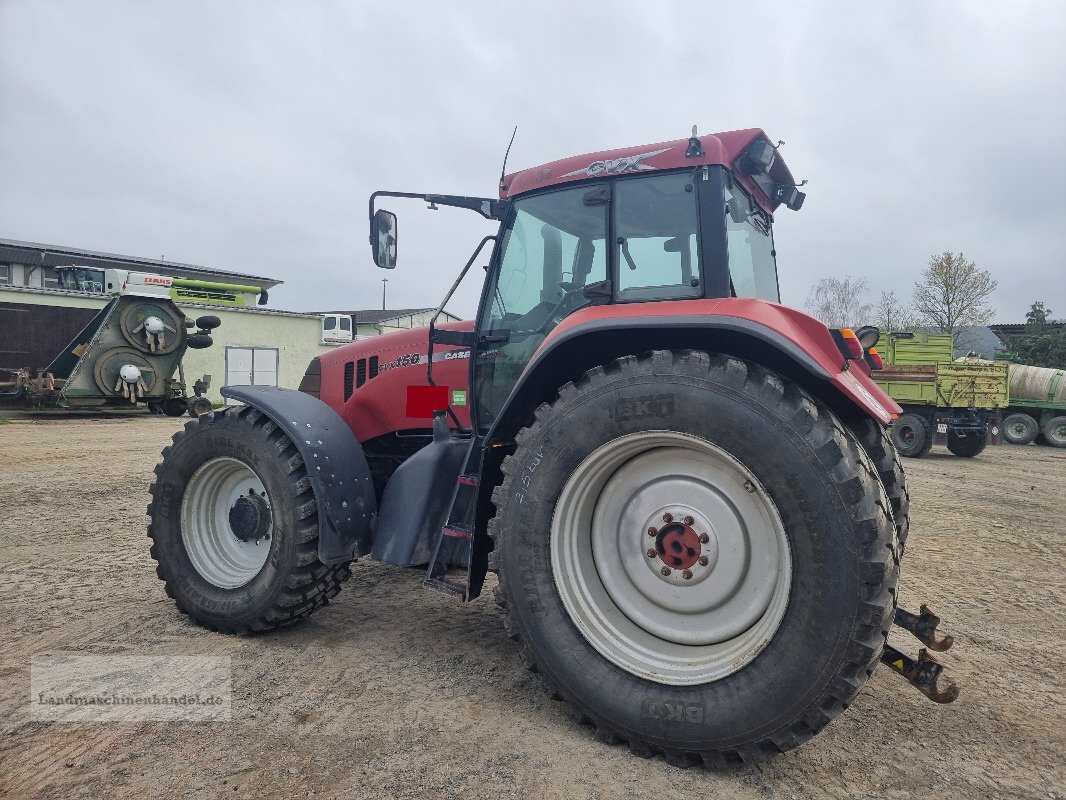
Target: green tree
(953, 291)
(1042, 344)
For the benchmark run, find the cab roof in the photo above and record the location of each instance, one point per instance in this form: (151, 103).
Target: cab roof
(721, 149)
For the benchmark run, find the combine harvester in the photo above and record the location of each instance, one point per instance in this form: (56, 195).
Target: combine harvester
(128, 353)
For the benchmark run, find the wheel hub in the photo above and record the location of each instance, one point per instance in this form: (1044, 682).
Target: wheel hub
(249, 517)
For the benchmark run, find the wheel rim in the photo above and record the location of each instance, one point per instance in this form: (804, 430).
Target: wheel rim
(226, 523)
(907, 435)
(670, 557)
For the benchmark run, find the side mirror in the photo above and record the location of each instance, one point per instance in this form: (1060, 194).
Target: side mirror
(383, 238)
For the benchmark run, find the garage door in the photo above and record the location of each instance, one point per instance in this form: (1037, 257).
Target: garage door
(251, 366)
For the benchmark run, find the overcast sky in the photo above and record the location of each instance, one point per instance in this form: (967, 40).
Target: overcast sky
(248, 135)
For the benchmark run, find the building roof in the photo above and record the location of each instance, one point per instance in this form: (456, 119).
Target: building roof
(34, 254)
(378, 316)
(1018, 328)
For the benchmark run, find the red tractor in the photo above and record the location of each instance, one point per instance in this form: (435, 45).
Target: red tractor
(685, 489)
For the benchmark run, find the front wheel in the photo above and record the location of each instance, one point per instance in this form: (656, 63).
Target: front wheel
(234, 526)
(697, 555)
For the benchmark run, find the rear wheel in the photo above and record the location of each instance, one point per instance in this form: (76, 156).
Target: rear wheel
(966, 445)
(234, 526)
(876, 440)
(174, 407)
(912, 435)
(1020, 429)
(696, 555)
(1054, 431)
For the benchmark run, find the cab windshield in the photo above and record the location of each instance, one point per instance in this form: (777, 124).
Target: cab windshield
(81, 279)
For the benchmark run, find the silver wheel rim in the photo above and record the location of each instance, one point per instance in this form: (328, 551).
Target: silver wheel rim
(680, 617)
(213, 547)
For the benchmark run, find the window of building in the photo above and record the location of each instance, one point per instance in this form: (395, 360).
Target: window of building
(49, 278)
(5, 274)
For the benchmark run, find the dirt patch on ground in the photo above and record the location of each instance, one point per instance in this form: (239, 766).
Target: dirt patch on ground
(394, 691)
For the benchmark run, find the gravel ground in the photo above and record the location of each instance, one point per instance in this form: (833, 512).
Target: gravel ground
(395, 691)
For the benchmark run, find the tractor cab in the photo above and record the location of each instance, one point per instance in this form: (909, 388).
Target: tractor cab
(684, 220)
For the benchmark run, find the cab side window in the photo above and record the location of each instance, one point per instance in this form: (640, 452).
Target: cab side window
(656, 243)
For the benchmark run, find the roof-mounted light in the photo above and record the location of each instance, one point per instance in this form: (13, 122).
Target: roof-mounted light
(789, 196)
(758, 157)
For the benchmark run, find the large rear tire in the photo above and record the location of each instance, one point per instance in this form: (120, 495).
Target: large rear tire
(1054, 431)
(234, 526)
(912, 435)
(778, 616)
(1020, 429)
(876, 440)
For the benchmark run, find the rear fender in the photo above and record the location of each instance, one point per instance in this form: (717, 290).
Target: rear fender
(782, 339)
(336, 466)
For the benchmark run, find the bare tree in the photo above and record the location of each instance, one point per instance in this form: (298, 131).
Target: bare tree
(890, 314)
(839, 302)
(954, 292)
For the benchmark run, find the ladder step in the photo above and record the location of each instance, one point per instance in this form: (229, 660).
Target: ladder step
(454, 588)
(457, 533)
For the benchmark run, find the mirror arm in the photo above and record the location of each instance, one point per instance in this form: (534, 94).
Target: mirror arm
(486, 207)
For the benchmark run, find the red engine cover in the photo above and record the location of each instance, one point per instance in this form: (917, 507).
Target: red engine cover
(389, 366)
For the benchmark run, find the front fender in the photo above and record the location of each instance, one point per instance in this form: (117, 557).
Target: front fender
(336, 466)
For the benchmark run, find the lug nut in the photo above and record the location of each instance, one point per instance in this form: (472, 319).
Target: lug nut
(653, 532)
(687, 574)
(689, 521)
(652, 553)
(704, 561)
(668, 517)
(665, 571)
(704, 538)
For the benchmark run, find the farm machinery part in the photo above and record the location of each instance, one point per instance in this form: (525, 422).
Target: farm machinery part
(687, 491)
(127, 354)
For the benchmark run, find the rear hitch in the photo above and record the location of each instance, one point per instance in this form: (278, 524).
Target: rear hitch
(923, 674)
(923, 625)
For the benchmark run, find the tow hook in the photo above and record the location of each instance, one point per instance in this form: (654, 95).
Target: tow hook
(923, 674)
(923, 625)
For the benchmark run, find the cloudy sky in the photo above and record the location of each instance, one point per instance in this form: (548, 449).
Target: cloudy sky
(248, 135)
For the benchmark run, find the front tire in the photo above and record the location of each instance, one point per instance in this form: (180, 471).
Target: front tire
(725, 448)
(234, 526)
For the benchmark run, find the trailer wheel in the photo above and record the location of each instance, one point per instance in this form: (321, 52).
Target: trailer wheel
(965, 446)
(174, 407)
(912, 435)
(198, 406)
(234, 526)
(877, 442)
(1020, 429)
(1054, 431)
(696, 555)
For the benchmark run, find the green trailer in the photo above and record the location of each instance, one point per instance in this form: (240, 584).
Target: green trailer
(1037, 406)
(958, 404)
